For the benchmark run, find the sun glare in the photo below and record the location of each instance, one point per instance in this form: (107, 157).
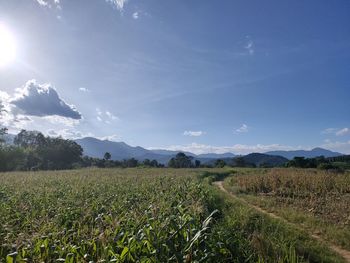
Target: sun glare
(7, 46)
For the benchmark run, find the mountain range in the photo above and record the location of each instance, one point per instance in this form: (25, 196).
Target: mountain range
(307, 154)
(119, 150)
(95, 147)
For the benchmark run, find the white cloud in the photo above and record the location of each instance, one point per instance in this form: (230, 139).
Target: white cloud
(84, 89)
(16, 119)
(111, 116)
(61, 120)
(236, 149)
(98, 111)
(7, 117)
(329, 131)
(250, 47)
(42, 100)
(343, 132)
(135, 15)
(243, 129)
(113, 137)
(119, 4)
(49, 3)
(342, 147)
(193, 133)
(68, 133)
(42, 2)
(106, 116)
(336, 131)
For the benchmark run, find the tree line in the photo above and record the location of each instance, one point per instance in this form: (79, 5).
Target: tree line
(31, 151)
(320, 162)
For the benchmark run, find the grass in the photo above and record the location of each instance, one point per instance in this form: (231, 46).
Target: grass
(139, 215)
(318, 201)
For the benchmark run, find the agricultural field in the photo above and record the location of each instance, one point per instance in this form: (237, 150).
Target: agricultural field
(318, 201)
(143, 215)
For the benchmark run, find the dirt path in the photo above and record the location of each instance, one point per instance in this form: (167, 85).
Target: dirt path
(342, 252)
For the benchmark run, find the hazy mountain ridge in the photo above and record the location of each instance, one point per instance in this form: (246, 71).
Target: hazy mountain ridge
(119, 150)
(254, 159)
(305, 153)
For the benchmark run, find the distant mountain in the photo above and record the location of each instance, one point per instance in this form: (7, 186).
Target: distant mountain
(216, 155)
(168, 152)
(119, 150)
(94, 147)
(307, 154)
(264, 159)
(256, 159)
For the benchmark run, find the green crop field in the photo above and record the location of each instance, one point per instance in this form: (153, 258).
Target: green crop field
(140, 215)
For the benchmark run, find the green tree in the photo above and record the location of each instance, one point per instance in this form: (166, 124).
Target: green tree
(181, 160)
(26, 139)
(107, 156)
(220, 163)
(240, 162)
(146, 162)
(3, 132)
(154, 163)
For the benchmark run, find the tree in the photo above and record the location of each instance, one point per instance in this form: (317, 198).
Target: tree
(131, 162)
(3, 132)
(59, 153)
(107, 156)
(27, 139)
(146, 162)
(197, 163)
(220, 163)
(240, 162)
(154, 163)
(181, 160)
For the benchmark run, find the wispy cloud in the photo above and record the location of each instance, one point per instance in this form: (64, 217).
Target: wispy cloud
(342, 147)
(237, 148)
(135, 15)
(342, 132)
(193, 133)
(106, 116)
(68, 133)
(250, 47)
(113, 138)
(111, 116)
(119, 4)
(243, 129)
(83, 89)
(49, 3)
(337, 131)
(329, 131)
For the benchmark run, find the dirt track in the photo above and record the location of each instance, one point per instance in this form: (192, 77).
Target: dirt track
(344, 253)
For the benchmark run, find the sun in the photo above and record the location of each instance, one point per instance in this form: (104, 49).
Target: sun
(7, 46)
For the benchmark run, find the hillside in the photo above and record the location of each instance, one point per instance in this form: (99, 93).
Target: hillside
(256, 159)
(305, 153)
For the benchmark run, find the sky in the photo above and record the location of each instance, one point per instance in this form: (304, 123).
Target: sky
(202, 76)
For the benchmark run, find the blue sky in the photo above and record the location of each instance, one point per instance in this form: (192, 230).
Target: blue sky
(204, 76)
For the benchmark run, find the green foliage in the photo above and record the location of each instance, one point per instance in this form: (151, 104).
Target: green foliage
(339, 163)
(107, 156)
(111, 215)
(181, 160)
(33, 151)
(136, 215)
(240, 162)
(3, 132)
(220, 163)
